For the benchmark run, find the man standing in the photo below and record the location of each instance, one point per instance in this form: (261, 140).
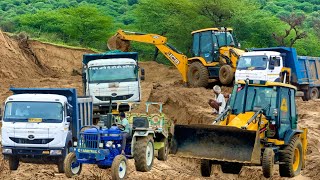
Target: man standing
(219, 103)
(125, 128)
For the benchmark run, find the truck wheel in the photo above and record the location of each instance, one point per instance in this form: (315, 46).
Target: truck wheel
(314, 93)
(71, 167)
(13, 163)
(173, 147)
(205, 168)
(163, 152)
(119, 167)
(61, 160)
(198, 75)
(268, 162)
(144, 153)
(231, 168)
(291, 158)
(226, 74)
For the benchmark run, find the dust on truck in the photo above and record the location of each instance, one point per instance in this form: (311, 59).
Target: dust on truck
(41, 124)
(281, 64)
(112, 75)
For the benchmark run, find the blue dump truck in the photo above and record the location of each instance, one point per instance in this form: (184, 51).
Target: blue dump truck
(284, 65)
(41, 124)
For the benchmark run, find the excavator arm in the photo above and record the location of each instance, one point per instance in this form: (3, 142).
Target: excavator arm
(121, 41)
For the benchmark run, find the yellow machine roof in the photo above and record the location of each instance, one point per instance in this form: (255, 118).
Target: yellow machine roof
(211, 29)
(269, 83)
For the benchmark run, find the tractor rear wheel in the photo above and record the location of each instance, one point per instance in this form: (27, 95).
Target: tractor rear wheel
(291, 157)
(206, 168)
(198, 75)
(119, 168)
(226, 74)
(231, 168)
(144, 153)
(268, 162)
(71, 166)
(163, 152)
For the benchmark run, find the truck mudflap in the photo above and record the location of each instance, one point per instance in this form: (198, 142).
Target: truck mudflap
(215, 142)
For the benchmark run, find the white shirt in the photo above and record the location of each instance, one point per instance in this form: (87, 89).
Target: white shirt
(222, 100)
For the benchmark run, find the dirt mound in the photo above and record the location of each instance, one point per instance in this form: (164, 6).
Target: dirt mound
(36, 64)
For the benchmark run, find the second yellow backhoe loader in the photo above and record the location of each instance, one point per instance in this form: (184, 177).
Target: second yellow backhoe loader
(259, 127)
(214, 54)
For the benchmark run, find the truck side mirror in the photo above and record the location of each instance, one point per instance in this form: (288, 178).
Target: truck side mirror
(271, 64)
(142, 74)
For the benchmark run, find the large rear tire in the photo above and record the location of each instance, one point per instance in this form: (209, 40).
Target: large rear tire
(291, 158)
(71, 167)
(164, 151)
(198, 75)
(268, 162)
(314, 93)
(231, 168)
(226, 74)
(205, 168)
(119, 168)
(13, 163)
(144, 153)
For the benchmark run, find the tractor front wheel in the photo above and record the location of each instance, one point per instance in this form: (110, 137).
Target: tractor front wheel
(291, 158)
(71, 166)
(198, 75)
(268, 162)
(144, 153)
(226, 74)
(119, 168)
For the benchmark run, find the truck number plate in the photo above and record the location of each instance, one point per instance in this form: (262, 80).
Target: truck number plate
(35, 120)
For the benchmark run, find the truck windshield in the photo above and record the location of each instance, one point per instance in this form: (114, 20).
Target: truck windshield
(112, 73)
(252, 63)
(48, 112)
(257, 97)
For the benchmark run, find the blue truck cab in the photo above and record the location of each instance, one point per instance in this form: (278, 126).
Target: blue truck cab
(41, 124)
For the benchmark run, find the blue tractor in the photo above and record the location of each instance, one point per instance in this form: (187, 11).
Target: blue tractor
(101, 145)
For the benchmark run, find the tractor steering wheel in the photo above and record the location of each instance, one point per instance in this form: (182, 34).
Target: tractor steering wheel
(120, 126)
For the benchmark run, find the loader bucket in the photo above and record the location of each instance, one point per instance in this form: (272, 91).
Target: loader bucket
(214, 142)
(116, 43)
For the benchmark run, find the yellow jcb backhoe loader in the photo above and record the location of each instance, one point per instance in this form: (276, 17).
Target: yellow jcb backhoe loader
(259, 127)
(214, 54)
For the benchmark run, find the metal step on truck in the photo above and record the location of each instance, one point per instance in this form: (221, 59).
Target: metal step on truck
(281, 64)
(41, 124)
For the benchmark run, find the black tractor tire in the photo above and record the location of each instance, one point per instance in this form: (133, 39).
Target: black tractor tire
(205, 168)
(70, 158)
(119, 160)
(198, 75)
(268, 162)
(291, 158)
(13, 163)
(231, 168)
(314, 93)
(164, 151)
(226, 75)
(141, 158)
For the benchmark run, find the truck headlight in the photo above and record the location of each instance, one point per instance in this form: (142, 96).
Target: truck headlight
(55, 152)
(7, 151)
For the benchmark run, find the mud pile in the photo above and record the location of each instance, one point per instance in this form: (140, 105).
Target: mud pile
(37, 64)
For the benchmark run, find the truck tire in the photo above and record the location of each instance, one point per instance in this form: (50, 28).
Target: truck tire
(119, 167)
(268, 162)
(205, 168)
(198, 75)
(164, 151)
(13, 163)
(291, 157)
(313, 93)
(144, 153)
(70, 166)
(306, 95)
(231, 168)
(61, 160)
(226, 74)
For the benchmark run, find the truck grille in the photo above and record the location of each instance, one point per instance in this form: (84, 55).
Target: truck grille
(107, 98)
(28, 141)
